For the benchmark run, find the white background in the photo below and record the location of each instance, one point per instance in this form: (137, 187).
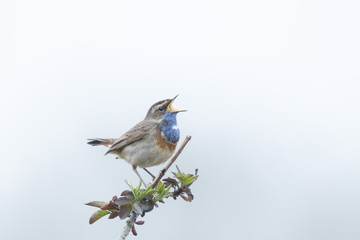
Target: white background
(272, 89)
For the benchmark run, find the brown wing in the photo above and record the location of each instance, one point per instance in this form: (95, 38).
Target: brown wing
(138, 132)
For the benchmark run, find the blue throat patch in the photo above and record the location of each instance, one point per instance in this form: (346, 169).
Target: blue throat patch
(169, 127)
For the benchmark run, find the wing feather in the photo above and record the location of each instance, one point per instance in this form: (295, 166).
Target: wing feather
(137, 133)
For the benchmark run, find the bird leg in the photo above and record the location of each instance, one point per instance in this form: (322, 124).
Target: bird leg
(137, 173)
(153, 177)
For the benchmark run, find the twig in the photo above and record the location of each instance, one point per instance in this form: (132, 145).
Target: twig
(133, 215)
(129, 225)
(163, 171)
(152, 175)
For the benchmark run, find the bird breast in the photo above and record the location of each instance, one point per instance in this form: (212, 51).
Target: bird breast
(148, 153)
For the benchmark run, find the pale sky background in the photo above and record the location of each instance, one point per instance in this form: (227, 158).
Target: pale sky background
(272, 89)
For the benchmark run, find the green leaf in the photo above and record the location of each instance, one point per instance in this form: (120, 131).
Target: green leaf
(140, 194)
(97, 215)
(149, 191)
(136, 191)
(188, 179)
(144, 193)
(161, 192)
(185, 179)
(130, 186)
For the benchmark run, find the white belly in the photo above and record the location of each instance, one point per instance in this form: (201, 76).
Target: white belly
(145, 154)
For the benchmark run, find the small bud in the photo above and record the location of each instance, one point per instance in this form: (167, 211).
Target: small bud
(133, 231)
(185, 198)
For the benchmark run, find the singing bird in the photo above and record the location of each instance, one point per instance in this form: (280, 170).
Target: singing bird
(150, 142)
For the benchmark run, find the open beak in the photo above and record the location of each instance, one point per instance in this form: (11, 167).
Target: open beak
(171, 109)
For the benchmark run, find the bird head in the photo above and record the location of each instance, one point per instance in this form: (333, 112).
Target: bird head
(158, 110)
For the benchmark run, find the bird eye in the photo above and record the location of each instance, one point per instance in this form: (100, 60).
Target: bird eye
(161, 109)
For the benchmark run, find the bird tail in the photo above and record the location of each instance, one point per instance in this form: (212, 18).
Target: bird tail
(101, 141)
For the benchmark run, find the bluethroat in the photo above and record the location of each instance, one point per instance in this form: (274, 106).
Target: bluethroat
(150, 142)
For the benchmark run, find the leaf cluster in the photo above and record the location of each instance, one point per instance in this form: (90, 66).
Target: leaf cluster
(141, 201)
(181, 184)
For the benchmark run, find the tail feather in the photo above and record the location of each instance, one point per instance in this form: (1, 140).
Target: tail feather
(101, 141)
